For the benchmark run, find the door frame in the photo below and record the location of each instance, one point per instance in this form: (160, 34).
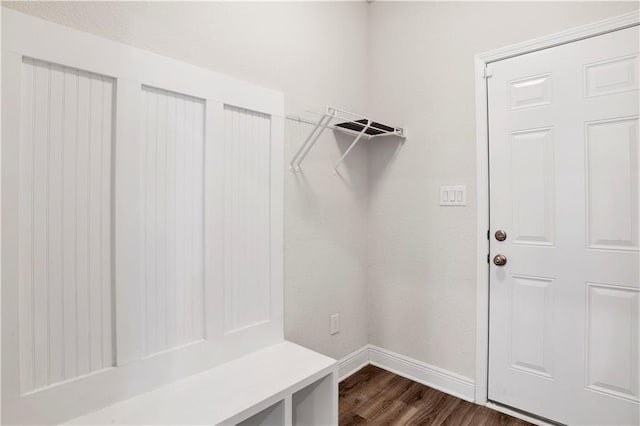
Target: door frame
(482, 72)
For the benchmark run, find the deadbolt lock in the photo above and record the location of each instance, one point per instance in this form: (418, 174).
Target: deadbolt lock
(500, 235)
(500, 260)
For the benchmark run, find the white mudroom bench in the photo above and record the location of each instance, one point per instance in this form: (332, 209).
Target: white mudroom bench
(172, 321)
(283, 384)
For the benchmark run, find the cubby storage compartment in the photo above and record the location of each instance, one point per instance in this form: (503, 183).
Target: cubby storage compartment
(271, 416)
(311, 404)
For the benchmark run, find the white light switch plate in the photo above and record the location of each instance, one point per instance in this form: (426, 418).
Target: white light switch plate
(454, 195)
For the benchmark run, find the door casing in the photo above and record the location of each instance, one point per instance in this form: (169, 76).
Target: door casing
(482, 72)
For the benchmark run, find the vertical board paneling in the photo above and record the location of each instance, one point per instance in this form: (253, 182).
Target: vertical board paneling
(170, 252)
(149, 247)
(40, 263)
(106, 218)
(27, 354)
(93, 219)
(247, 147)
(172, 150)
(54, 226)
(65, 224)
(82, 223)
(95, 224)
(181, 208)
(70, 218)
(197, 224)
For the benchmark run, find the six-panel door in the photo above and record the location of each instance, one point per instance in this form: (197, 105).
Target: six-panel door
(563, 135)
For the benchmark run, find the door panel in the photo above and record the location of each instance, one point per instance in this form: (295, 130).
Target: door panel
(532, 325)
(612, 340)
(616, 75)
(533, 186)
(563, 136)
(530, 91)
(612, 163)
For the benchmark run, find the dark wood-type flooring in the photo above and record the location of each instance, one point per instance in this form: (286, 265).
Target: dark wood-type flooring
(374, 396)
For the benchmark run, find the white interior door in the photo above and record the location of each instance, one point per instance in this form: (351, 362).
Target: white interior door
(563, 135)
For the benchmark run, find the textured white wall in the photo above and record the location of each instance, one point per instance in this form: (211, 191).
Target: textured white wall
(422, 256)
(316, 54)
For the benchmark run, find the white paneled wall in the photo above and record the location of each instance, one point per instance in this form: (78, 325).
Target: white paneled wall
(247, 145)
(65, 224)
(142, 221)
(172, 156)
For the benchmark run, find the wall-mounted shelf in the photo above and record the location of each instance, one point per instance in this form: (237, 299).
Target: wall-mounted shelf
(347, 122)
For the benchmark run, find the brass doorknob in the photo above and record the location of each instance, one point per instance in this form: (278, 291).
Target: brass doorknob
(500, 260)
(500, 235)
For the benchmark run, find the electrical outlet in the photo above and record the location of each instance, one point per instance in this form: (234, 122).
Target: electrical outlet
(335, 324)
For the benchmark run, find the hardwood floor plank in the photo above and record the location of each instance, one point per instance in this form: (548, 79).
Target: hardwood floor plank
(396, 413)
(362, 387)
(381, 399)
(366, 377)
(373, 396)
(435, 411)
(462, 415)
(350, 419)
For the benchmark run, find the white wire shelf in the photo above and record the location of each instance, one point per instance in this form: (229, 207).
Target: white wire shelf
(347, 122)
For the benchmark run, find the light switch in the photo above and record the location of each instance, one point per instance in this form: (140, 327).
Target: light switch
(454, 195)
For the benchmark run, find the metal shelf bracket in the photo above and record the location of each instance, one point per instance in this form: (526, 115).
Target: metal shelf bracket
(350, 123)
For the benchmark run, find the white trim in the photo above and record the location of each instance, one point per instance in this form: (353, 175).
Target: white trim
(412, 369)
(482, 167)
(421, 372)
(353, 362)
(1, 135)
(574, 34)
(482, 267)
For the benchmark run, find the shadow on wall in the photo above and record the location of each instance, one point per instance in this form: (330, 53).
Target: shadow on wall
(318, 164)
(295, 134)
(357, 159)
(350, 171)
(386, 149)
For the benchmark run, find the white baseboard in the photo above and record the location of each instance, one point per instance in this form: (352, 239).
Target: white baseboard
(421, 372)
(353, 362)
(418, 371)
